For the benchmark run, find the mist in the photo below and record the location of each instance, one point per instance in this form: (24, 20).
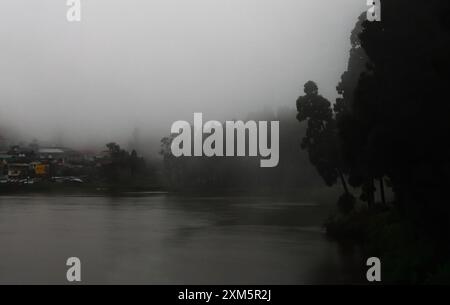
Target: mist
(144, 64)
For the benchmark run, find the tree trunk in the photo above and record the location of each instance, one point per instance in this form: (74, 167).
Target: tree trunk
(344, 183)
(383, 195)
(370, 193)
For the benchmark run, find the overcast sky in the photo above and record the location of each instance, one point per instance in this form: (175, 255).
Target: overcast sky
(147, 63)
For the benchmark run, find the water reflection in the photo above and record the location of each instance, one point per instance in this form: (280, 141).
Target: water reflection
(163, 239)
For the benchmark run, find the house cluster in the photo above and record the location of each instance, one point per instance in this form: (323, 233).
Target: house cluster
(28, 165)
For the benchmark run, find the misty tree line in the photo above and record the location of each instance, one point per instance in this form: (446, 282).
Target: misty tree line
(123, 167)
(244, 173)
(391, 122)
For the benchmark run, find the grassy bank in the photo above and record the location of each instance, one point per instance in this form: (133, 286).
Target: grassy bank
(407, 257)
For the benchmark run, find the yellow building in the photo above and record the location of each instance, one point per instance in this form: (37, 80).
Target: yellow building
(41, 169)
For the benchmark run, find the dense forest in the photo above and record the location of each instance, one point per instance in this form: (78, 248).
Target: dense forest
(389, 128)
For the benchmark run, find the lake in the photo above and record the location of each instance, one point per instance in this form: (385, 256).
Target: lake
(167, 239)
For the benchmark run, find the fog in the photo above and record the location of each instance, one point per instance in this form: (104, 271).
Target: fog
(145, 64)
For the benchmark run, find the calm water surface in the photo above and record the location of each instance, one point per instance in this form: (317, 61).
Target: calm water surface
(162, 239)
